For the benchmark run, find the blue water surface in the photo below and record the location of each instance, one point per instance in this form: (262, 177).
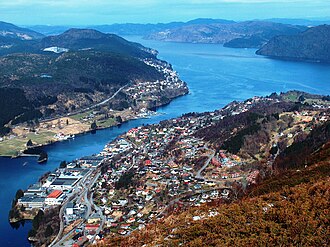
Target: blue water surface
(215, 76)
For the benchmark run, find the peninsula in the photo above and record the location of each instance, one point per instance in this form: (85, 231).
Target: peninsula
(76, 82)
(313, 45)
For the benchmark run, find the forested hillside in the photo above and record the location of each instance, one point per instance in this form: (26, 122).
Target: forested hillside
(311, 45)
(63, 73)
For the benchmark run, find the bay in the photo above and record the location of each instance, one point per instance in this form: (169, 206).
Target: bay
(215, 76)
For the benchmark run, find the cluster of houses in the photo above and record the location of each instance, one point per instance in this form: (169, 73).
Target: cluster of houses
(157, 177)
(146, 172)
(114, 148)
(144, 92)
(158, 162)
(225, 166)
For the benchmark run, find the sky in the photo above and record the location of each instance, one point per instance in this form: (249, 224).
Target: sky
(95, 12)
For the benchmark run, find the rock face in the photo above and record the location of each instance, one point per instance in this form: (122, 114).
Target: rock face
(237, 35)
(311, 45)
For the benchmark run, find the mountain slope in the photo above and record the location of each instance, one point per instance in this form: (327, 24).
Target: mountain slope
(311, 45)
(12, 31)
(243, 34)
(289, 207)
(291, 217)
(79, 39)
(63, 73)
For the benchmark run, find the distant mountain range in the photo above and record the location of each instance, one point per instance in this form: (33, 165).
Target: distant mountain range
(147, 29)
(302, 22)
(247, 34)
(311, 45)
(128, 28)
(238, 35)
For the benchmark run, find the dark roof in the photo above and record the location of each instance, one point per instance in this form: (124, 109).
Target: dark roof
(64, 181)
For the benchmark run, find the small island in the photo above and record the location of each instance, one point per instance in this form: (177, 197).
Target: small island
(43, 157)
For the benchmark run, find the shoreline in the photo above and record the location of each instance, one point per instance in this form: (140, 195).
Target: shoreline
(150, 114)
(186, 124)
(139, 104)
(51, 142)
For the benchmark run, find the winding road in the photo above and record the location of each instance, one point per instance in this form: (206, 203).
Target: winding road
(87, 108)
(199, 172)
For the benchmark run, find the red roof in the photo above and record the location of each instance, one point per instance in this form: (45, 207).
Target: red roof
(55, 194)
(222, 155)
(91, 226)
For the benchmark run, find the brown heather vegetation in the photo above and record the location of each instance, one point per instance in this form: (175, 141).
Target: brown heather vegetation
(291, 209)
(45, 226)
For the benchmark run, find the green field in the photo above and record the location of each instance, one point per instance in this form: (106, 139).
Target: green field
(100, 123)
(80, 116)
(106, 123)
(13, 146)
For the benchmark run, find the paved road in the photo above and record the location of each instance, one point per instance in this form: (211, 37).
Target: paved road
(61, 215)
(99, 211)
(63, 239)
(199, 172)
(87, 108)
(77, 194)
(108, 99)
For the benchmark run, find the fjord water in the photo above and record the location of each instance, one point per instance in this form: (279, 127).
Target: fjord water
(215, 76)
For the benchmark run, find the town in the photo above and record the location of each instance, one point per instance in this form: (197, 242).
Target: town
(150, 172)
